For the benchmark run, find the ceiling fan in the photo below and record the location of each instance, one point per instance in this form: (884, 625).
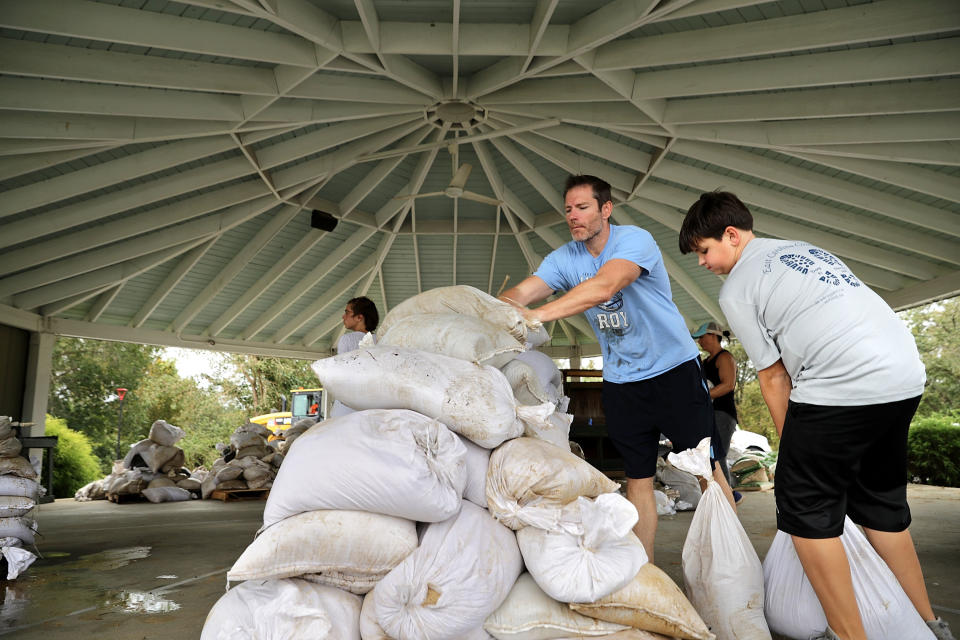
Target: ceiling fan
(455, 189)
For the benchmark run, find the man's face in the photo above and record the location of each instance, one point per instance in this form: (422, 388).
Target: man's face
(718, 256)
(351, 321)
(584, 216)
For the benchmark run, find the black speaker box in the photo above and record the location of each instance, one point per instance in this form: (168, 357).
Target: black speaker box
(323, 220)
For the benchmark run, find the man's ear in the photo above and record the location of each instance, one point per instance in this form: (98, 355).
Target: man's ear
(607, 209)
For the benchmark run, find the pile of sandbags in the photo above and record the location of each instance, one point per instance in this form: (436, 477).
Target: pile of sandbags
(247, 462)
(153, 468)
(19, 493)
(754, 470)
(414, 516)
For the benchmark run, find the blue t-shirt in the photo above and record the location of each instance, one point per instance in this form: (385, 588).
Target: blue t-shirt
(640, 330)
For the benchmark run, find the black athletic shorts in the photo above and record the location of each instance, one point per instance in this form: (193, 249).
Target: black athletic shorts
(837, 461)
(675, 403)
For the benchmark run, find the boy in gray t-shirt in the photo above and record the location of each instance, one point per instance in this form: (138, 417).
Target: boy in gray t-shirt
(842, 378)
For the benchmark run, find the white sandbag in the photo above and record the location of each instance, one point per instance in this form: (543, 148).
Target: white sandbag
(531, 386)
(536, 336)
(465, 300)
(653, 602)
(92, 491)
(474, 401)
(556, 430)
(548, 372)
(241, 439)
(529, 481)
(721, 570)
(12, 506)
(286, 609)
(605, 557)
(166, 494)
(394, 462)
(477, 460)
(175, 463)
(128, 482)
(17, 560)
(17, 466)
(530, 614)
(136, 449)
(461, 572)
(164, 433)
(686, 483)
(153, 455)
(17, 486)
(454, 335)
(10, 447)
(792, 608)
(23, 527)
(349, 549)
(370, 628)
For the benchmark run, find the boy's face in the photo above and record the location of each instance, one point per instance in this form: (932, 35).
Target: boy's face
(718, 256)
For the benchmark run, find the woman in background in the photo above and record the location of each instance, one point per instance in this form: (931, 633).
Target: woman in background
(359, 317)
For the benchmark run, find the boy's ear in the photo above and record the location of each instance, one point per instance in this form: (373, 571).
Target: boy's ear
(733, 234)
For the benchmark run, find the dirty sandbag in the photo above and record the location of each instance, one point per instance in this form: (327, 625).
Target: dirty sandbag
(12, 506)
(161, 482)
(474, 401)
(190, 484)
(465, 300)
(792, 608)
(288, 608)
(721, 570)
(653, 602)
(604, 557)
(685, 483)
(546, 370)
(526, 384)
(17, 486)
(460, 573)
(23, 527)
(134, 457)
(395, 462)
(357, 548)
(175, 462)
(555, 430)
(530, 614)
(17, 560)
(477, 460)
(166, 494)
(454, 335)
(164, 433)
(91, 491)
(243, 439)
(255, 452)
(529, 481)
(6, 427)
(10, 447)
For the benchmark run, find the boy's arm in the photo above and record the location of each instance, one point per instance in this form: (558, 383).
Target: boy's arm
(613, 276)
(775, 386)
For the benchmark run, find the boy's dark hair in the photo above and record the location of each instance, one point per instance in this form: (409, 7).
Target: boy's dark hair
(601, 188)
(710, 215)
(364, 306)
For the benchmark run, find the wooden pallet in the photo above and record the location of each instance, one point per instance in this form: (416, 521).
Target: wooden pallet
(125, 498)
(232, 495)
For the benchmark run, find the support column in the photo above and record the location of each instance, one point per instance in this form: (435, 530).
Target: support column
(37, 388)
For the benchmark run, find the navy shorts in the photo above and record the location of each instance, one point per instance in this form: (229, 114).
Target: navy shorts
(837, 461)
(675, 403)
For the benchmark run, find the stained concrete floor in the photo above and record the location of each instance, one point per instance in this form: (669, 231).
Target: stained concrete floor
(146, 571)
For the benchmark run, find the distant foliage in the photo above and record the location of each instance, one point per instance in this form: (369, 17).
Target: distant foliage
(933, 450)
(74, 464)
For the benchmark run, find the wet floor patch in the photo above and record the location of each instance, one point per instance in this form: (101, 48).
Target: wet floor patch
(141, 602)
(167, 577)
(109, 559)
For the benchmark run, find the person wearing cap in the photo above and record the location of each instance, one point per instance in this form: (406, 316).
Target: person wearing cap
(652, 381)
(720, 370)
(842, 378)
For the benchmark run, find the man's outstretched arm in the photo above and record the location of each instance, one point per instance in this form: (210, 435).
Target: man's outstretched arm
(610, 278)
(529, 290)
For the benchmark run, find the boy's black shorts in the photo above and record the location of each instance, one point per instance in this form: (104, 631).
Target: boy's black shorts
(675, 403)
(837, 461)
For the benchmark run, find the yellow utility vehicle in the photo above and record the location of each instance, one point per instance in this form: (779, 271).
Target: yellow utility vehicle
(305, 403)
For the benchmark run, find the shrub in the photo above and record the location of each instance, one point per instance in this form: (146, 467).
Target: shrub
(74, 464)
(933, 450)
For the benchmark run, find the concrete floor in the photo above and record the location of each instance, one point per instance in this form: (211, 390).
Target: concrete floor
(149, 571)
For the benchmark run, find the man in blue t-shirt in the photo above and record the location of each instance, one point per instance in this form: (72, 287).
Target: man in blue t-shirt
(652, 382)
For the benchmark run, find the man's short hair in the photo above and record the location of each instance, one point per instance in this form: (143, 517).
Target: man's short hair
(601, 188)
(364, 306)
(710, 215)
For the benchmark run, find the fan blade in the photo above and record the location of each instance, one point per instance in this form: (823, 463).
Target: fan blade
(476, 197)
(419, 195)
(460, 179)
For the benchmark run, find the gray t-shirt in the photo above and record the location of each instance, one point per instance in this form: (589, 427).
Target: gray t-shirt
(839, 341)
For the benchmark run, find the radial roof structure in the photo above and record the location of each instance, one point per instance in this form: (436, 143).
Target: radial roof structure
(160, 162)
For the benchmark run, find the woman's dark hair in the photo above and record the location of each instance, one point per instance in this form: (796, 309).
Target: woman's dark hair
(710, 215)
(601, 188)
(364, 306)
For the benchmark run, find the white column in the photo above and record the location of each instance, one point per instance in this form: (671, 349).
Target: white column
(37, 388)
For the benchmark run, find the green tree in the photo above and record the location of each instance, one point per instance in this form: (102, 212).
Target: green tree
(262, 384)
(205, 414)
(74, 464)
(85, 376)
(936, 328)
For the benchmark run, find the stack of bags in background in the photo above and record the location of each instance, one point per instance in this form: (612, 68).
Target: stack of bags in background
(754, 471)
(248, 462)
(439, 438)
(19, 493)
(152, 467)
